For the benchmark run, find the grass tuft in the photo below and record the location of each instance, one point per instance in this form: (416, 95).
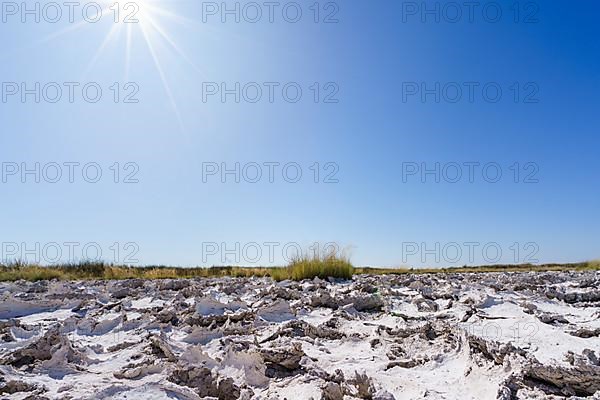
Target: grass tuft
(322, 266)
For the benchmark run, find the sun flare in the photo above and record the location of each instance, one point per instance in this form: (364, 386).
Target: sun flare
(146, 17)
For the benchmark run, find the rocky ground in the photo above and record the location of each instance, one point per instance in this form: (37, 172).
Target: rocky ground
(456, 336)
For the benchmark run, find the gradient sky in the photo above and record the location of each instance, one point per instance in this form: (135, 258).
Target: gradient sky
(373, 54)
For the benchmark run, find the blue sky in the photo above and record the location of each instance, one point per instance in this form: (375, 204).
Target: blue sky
(366, 129)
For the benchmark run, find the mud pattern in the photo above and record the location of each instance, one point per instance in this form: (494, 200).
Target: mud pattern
(453, 336)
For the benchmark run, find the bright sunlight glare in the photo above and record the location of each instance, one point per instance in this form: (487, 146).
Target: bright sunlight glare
(148, 17)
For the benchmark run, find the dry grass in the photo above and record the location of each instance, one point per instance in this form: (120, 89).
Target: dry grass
(595, 265)
(585, 266)
(304, 267)
(324, 266)
(104, 271)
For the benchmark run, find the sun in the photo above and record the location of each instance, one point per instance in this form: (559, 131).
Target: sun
(147, 17)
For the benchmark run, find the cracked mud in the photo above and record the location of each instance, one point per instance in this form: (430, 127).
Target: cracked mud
(454, 336)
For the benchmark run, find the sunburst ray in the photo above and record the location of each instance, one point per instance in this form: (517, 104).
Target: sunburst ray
(163, 77)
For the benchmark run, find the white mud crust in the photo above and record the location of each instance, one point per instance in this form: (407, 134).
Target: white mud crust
(447, 336)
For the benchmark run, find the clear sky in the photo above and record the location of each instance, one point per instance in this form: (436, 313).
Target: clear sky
(407, 115)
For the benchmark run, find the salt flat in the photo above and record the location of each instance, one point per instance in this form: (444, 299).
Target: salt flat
(447, 336)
